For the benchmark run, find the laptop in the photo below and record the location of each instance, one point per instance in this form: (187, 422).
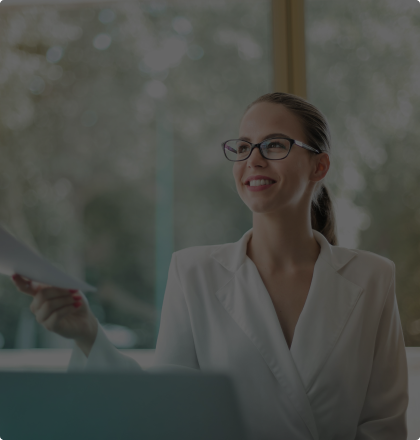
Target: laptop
(118, 406)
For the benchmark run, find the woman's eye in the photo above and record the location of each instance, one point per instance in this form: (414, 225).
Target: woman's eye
(274, 145)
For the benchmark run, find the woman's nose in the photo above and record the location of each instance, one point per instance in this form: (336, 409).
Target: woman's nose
(256, 155)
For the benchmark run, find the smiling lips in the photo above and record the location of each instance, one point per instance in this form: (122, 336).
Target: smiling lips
(259, 184)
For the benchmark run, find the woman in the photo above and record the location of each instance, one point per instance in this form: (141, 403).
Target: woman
(309, 331)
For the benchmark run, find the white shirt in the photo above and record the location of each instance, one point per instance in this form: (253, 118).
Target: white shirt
(345, 376)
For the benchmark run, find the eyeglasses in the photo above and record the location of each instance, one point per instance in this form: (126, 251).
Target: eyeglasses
(236, 150)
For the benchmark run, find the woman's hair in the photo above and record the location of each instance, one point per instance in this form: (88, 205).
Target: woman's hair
(318, 136)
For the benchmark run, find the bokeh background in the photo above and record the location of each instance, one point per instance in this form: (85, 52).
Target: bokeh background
(111, 119)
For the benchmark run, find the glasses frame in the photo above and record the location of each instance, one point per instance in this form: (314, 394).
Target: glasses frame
(292, 142)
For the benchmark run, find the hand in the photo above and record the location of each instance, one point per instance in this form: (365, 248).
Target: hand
(62, 311)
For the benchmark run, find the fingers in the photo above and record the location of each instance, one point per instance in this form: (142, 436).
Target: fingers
(50, 294)
(24, 285)
(53, 306)
(51, 322)
(49, 303)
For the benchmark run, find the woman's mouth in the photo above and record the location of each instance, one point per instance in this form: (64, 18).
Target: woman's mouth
(259, 185)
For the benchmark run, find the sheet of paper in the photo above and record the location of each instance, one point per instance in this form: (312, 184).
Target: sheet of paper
(16, 257)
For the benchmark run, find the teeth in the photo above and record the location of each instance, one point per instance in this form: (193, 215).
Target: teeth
(260, 182)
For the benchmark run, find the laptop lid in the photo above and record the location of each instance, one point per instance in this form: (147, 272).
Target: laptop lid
(118, 406)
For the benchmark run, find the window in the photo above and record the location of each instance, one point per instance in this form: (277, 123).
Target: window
(362, 65)
(111, 118)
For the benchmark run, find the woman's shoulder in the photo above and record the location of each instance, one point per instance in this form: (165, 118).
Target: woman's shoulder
(369, 269)
(195, 266)
(196, 254)
(373, 260)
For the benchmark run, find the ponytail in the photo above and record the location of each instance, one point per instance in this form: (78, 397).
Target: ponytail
(323, 216)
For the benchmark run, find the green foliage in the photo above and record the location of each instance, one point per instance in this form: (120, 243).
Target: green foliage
(78, 133)
(362, 69)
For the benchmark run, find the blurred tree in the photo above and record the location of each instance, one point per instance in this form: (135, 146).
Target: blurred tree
(78, 89)
(363, 72)
(78, 92)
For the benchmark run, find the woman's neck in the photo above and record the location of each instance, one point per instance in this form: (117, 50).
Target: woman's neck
(288, 247)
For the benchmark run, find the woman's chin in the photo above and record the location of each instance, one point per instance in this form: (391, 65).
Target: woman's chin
(259, 208)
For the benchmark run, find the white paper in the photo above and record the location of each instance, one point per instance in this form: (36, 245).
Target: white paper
(16, 257)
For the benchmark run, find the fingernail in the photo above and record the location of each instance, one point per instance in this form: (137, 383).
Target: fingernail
(14, 276)
(72, 290)
(77, 305)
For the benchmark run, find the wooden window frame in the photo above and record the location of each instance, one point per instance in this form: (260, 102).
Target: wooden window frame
(288, 39)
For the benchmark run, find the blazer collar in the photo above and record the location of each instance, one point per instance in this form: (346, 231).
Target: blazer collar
(331, 297)
(233, 255)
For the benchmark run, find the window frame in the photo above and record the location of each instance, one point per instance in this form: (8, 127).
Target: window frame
(288, 40)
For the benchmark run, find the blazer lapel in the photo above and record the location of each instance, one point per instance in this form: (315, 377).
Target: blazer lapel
(248, 302)
(331, 297)
(330, 302)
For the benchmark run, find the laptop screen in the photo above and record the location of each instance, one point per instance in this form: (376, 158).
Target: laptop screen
(123, 406)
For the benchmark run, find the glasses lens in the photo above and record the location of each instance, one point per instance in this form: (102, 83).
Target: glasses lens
(273, 149)
(237, 149)
(276, 148)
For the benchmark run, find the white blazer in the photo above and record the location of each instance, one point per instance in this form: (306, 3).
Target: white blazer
(345, 376)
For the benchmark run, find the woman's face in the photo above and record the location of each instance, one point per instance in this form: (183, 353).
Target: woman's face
(295, 176)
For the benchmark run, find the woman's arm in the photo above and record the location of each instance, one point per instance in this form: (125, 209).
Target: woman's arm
(102, 356)
(175, 344)
(383, 416)
(175, 348)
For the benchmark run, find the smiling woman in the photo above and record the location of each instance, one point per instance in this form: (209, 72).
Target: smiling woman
(308, 331)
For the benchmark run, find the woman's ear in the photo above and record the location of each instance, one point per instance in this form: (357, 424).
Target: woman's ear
(321, 168)
(323, 163)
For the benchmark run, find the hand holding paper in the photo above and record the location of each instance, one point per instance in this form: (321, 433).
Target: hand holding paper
(16, 257)
(62, 311)
(56, 303)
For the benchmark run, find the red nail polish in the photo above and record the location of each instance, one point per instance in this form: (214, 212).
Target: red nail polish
(72, 290)
(77, 305)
